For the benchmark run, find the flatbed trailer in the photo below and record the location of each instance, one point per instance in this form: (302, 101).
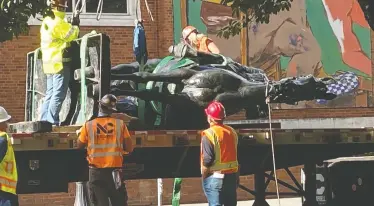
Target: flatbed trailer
(48, 161)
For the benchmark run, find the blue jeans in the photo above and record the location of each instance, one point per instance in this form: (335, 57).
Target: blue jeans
(220, 191)
(8, 199)
(57, 87)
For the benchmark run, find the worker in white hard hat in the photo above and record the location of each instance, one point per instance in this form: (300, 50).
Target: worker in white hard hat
(198, 41)
(8, 168)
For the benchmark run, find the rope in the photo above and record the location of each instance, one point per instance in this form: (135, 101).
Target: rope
(271, 139)
(148, 10)
(98, 13)
(83, 51)
(76, 12)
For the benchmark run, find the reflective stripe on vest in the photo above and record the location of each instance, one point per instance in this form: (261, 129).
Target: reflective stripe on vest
(55, 61)
(94, 146)
(7, 183)
(70, 32)
(8, 169)
(218, 165)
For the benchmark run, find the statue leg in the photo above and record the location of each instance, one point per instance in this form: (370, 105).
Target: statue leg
(150, 95)
(246, 98)
(174, 76)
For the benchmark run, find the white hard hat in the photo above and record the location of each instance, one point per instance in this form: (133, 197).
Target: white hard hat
(4, 116)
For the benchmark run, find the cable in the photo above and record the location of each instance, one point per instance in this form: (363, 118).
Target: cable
(271, 139)
(99, 10)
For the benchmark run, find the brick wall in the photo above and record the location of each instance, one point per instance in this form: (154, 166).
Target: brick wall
(159, 38)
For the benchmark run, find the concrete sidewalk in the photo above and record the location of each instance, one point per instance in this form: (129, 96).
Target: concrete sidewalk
(272, 202)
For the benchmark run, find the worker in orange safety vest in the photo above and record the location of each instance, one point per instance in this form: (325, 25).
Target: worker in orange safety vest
(219, 162)
(107, 139)
(198, 41)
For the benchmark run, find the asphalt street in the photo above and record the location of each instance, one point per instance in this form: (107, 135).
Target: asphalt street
(272, 202)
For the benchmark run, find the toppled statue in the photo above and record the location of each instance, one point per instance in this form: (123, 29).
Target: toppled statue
(236, 86)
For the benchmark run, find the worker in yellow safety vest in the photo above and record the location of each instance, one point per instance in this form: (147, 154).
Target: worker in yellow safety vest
(8, 168)
(198, 41)
(56, 37)
(219, 161)
(107, 139)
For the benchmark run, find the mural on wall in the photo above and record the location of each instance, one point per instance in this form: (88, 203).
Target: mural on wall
(319, 37)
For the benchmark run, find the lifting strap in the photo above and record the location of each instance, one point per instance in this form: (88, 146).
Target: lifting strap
(84, 61)
(271, 138)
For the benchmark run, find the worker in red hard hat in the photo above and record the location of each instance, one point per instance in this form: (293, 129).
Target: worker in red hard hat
(198, 41)
(219, 162)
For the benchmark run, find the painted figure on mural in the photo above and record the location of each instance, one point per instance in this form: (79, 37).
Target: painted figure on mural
(319, 37)
(287, 34)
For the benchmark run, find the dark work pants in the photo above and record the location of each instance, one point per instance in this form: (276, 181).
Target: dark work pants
(101, 188)
(8, 199)
(221, 191)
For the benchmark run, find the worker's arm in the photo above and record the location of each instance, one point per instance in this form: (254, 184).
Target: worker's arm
(82, 138)
(127, 142)
(212, 46)
(208, 155)
(66, 32)
(3, 147)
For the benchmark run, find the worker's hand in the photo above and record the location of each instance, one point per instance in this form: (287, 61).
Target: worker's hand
(267, 100)
(78, 132)
(75, 21)
(205, 172)
(171, 49)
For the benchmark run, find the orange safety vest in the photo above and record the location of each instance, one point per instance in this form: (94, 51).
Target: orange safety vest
(225, 143)
(202, 43)
(105, 142)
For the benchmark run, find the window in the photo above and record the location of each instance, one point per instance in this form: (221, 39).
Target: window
(114, 12)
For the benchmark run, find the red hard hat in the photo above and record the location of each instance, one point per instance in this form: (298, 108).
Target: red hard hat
(187, 31)
(215, 110)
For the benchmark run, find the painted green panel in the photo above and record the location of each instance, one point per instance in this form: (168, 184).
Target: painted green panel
(331, 55)
(363, 35)
(284, 62)
(177, 27)
(193, 15)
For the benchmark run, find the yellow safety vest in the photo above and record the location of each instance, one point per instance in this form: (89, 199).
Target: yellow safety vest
(56, 35)
(8, 169)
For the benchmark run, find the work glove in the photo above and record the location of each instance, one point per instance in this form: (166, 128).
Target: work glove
(78, 132)
(75, 21)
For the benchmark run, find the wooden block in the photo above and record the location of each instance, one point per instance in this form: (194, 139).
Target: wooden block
(30, 127)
